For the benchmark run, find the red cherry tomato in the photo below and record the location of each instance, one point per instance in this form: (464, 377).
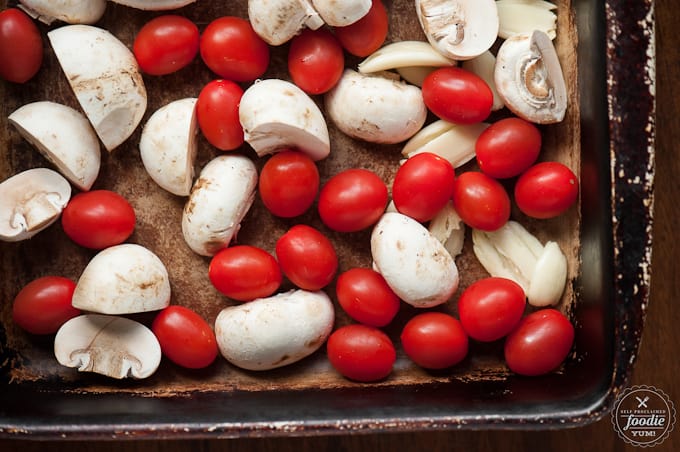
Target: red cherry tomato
(352, 200)
(508, 147)
(490, 308)
(217, 114)
(481, 201)
(457, 95)
(21, 47)
(422, 186)
(365, 36)
(44, 304)
(366, 297)
(546, 190)
(361, 353)
(288, 183)
(307, 257)
(166, 44)
(244, 272)
(434, 340)
(98, 219)
(186, 338)
(230, 48)
(315, 61)
(540, 343)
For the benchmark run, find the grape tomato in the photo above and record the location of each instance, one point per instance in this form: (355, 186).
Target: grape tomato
(365, 296)
(434, 340)
(21, 46)
(44, 304)
(361, 352)
(217, 114)
(244, 272)
(315, 60)
(166, 44)
(307, 257)
(457, 95)
(288, 183)
(366, 35)
(185, 337)
(481, 201)
(508, 147)
(546, 190)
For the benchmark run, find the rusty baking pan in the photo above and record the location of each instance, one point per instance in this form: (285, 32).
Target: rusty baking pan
(607, 55)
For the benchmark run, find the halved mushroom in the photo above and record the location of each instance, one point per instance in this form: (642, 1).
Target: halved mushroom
(105, 78)
(403, 54)
(109, 345)
(69, 11)
(154, 5)
(459, 29)
(277, 21)
(168, 146)
(529, 78)
(30, 202)
(341, 14)
(64, 136)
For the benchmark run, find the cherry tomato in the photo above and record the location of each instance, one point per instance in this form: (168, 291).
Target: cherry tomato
(186, 338)
(365, 36)
(434, 340)
(366, 297)
(244, 272)
(166, 44)
(490, 308)
(217, 114)
(315, 60)
(481, 201)
(508, 147)
(352, 200)
(288, 183)
(44, 304)
(307, 257)
(457, 95)
(21, 47)
(361, 353)
(422, 186)
(230, 48)
(98, 219)
(546, 190)
(540, 343)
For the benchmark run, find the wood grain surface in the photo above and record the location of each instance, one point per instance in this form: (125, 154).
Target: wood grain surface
(657, 365)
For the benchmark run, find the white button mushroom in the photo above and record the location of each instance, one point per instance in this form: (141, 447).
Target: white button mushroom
(341, 14)
(154, 5)
(30, 202)
(219, 200)
(168, 146)
(105, 78)
(64, 136)
(69, 11)
(109, 345)
(413, 262)
(123, 279)
(277, 21)
(273, 332)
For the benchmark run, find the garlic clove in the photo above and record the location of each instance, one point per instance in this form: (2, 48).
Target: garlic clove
(549, 277)
(453, 142)
(449, 229)
(516, 17)
(415, 75)
(484, 66)
(404, 54)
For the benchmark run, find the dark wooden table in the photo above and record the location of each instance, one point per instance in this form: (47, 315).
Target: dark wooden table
(657, 365)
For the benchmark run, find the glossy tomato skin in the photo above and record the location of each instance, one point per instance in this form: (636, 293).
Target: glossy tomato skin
(457, 95)
(423, 186)
(540, 343)
(481, 201)
(307, 257)
(434, 340)
(98, 219)
(365, 296)
(186, 338)
(230, 48)
(361, 352)
(490, 308)
(166, 44)
(315, 60)
(21, 47)
(217, 114)
(508, 147)
(546, 190)
(244, 272)
(352, 200)
(44, 304)
(368, 34)
(288, 183)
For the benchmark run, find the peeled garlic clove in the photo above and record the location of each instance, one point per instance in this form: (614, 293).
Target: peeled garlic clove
(549, 277)
(484, 66)
(449, 229)
(415, 75)
(516, 17)
(404, 54)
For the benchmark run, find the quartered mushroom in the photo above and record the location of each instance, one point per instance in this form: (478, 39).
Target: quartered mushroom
(525, 16)
(529, 78)
(168, 146)
(105, 78)
(459, 29)
(278, 21)
(114, 346)
(342, 13)
(69, 11)
(154, 5)
(404, 54)
(484, 66)
(30, 202)
(64, 136)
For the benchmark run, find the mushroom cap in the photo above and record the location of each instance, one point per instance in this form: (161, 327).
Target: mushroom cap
(278, 21)
(168, 146)
(341, 14)
(64, 136)
(109, 345)
(154, 5)
(69, 11)
(30, 202)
